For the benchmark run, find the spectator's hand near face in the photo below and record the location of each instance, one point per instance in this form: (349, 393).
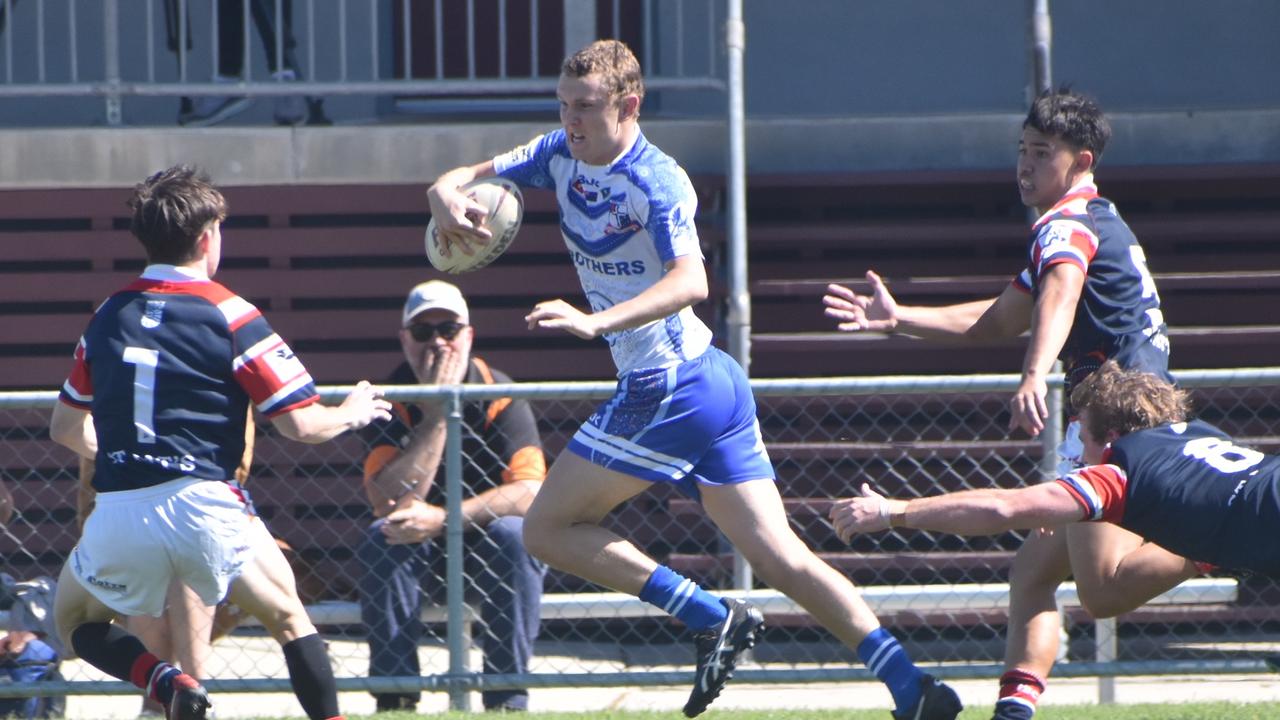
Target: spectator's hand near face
(443, 365)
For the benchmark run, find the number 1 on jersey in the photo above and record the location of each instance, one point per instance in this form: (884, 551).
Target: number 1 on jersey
(144, 364)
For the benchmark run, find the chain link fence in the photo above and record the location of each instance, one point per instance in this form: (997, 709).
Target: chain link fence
(908, 436)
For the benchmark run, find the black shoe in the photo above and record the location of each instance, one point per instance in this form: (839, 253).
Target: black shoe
(190, 701)
(718, 651)
(937, 702)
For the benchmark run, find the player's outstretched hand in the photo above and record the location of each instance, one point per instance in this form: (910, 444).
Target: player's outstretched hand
(365, 404)
(866, 514)
(877, 311)
(459, 221)
(560, 315)
(1027, 407)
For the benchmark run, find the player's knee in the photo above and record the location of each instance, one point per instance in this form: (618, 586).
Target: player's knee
(1101, 602)
(1039, 566)
(287, 623)
(539, 536)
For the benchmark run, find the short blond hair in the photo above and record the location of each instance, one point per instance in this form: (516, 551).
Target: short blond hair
(614, 62)
(1127, 401)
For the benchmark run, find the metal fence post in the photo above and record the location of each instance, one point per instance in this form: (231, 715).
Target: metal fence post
(111, 59)
(459, 673)
(739, 298)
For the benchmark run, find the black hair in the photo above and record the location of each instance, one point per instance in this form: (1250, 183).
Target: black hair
(1072, 117)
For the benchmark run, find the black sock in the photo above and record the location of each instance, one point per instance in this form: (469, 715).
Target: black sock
(110, 649)
(311, 676)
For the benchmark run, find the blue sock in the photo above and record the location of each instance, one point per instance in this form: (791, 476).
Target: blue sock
(884, 655)
(680, 596)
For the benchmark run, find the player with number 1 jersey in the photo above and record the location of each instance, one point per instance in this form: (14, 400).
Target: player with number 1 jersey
(158, 396)
(187, 355)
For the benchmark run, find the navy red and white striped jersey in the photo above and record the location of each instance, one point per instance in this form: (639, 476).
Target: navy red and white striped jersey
(1189, 488)
(1118, 315)
(168, 366)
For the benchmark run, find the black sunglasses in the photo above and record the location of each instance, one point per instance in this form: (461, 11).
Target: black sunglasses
(425, 332)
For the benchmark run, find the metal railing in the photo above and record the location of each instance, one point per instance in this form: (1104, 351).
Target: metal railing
(116, 48)
(825, 436)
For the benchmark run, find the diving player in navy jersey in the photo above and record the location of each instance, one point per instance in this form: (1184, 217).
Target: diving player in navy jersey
(158, 394)
(683, 412)
(1182, 484)
(1086, 296)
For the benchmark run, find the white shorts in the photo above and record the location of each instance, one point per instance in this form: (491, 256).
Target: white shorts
(136, 541)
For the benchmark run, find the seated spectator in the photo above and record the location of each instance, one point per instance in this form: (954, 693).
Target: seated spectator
(503, 467)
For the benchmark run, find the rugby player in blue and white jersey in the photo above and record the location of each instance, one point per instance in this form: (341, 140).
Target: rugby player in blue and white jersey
(1086, 296)
(683, 412)
(158, 394)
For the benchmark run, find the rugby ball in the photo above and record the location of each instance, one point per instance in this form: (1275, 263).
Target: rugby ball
(506, 208)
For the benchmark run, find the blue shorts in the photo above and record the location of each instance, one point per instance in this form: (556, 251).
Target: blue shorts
(691, 424)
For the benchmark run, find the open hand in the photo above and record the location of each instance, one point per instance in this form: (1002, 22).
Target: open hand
(560, 315)
(877, 311)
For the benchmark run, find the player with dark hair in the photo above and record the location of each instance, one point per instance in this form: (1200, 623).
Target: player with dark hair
(1182, 484)
(159, 392)
(1086, 296)
(683, 413)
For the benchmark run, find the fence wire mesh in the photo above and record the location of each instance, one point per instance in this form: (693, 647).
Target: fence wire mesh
(906, 436)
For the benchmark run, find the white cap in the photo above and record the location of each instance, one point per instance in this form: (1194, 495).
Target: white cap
(434, 294)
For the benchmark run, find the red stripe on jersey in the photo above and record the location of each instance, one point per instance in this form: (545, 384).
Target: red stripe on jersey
(236, 310)
(79, 380)
(1084, 192)
(1084, 267)
(259, 375)
(207, 289)
(1109, 484)
(312, 400)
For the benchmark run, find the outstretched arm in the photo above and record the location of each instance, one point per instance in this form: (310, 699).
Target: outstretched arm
(1006, 315)
(316, 423)
(969, 512)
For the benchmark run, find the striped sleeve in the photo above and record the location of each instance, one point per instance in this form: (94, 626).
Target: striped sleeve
(77, 391)
(1100, 490)
(1063, 240)
(266, 368)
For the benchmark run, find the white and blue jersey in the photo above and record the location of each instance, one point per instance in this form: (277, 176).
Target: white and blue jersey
(683, 412)
(622, 223)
